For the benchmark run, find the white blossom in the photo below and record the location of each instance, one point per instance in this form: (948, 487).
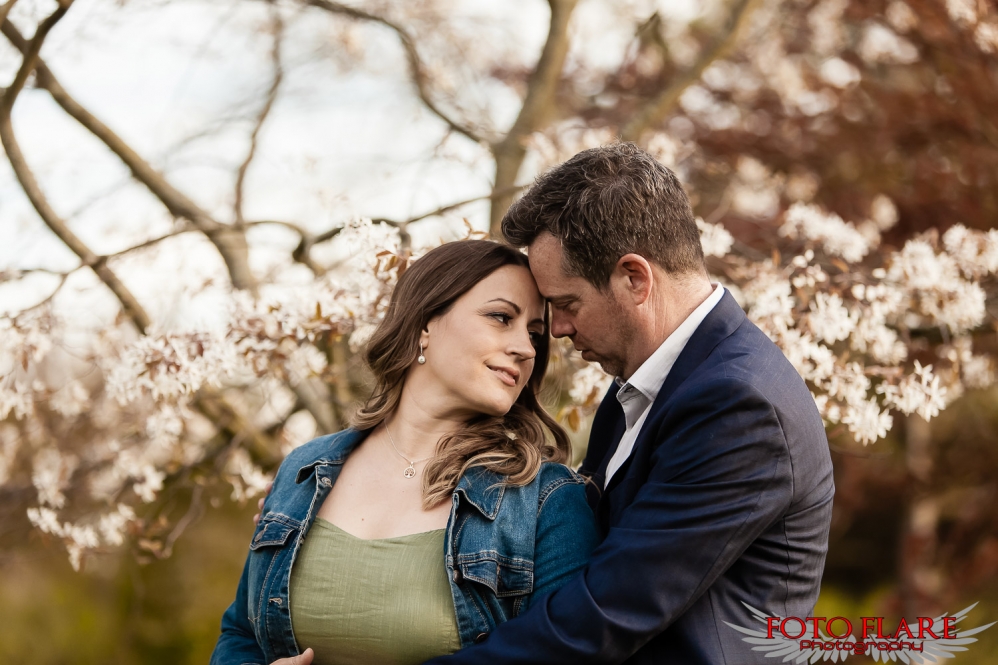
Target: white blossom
(45, 520)
(51, 473)
(919, 392)
(15, 397)
(70, 400)
(883, 212)
(825, 21)
(715, 239)
(986, 37)
(867, 421)
(829, 319)
(150, 482)
(962, 12)
(880, 44)
(838, 72)
(112, 525)
(836, 237)
(900, 16)
(881, 342)
(975, 252)
(589, 384)
(246, 478)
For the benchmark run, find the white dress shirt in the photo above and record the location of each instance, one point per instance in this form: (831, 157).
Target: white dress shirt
(638, 394)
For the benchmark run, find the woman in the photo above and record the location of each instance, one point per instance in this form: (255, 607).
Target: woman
(446, 509)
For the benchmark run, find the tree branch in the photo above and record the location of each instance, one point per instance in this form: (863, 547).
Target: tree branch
(537, 108)
(275, 54)
(26, 178)
(661, 105)
(301, 252)
(5, 9)
(225, 417)
(230, 242)
(416, 69)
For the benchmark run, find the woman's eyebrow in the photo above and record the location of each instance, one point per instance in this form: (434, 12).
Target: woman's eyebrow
(516, 308)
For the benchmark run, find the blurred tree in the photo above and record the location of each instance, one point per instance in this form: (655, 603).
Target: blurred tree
(783, 118)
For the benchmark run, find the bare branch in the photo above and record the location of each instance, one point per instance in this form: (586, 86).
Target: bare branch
(660, 106)
(5, 9)
(278, 30)
(33, 191)
(230, 242)
(505, 191)
(538, 106)
(194, 512)
(150, 242)
(416, 69)
(301, 252)
(38, 305)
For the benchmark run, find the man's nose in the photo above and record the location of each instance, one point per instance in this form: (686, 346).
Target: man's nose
(561, 326)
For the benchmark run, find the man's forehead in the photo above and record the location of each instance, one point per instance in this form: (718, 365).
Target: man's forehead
(545, 257)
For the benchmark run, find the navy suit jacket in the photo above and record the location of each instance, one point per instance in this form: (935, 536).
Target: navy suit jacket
(726, 499)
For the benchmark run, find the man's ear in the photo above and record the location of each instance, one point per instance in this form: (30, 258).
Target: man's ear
(633, 277)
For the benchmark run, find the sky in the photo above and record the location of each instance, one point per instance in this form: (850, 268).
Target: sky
(180, 80)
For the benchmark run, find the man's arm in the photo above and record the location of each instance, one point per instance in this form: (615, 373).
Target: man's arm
(719, 478)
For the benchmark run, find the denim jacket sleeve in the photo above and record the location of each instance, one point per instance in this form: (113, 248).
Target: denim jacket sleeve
(566, 534)
(237, 645)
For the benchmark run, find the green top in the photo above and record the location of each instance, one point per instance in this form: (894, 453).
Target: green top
(365, 602)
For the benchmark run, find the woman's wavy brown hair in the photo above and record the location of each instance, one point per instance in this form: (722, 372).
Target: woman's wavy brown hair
(513, 445)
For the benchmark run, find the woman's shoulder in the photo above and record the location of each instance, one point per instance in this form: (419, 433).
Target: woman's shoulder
(556, 472)
(553, 476)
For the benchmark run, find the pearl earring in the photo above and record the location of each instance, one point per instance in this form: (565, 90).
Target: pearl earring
(421, 359)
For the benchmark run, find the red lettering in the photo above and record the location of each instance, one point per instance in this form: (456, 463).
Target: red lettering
(771, 624)
(815, 634)
(903, 626)
(949, 623)
(867, 627)
(783, 628)
(848, 630)
(923, 628)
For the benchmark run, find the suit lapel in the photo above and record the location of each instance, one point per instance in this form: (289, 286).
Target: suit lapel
(719, 324)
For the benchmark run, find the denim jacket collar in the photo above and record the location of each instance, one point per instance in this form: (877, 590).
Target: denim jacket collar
(483, 489)
(340, 446)
(480, 487)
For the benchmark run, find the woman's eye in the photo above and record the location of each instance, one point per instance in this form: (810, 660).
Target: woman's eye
(536, 338)
(501, 317)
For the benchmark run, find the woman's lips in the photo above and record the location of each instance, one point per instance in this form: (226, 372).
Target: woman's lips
(507, 375)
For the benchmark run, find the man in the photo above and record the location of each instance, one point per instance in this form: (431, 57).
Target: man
(711, 477)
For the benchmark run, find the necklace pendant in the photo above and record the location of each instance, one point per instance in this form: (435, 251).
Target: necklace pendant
(409, 472)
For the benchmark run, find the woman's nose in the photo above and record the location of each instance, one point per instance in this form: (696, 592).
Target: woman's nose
(523, 347)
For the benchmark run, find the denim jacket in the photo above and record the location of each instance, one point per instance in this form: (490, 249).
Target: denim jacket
(505, 547)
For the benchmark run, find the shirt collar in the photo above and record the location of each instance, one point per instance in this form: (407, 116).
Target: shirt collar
(650, 376)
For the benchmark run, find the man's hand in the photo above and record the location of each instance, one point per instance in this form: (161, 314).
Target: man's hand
(256, 519)
(304, 659)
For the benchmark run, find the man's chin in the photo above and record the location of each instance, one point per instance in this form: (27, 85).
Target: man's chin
(611, 367)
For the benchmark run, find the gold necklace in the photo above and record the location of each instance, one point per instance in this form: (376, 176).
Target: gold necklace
(410, 471)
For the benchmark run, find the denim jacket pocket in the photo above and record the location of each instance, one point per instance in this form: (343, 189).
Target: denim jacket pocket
(267, 563)
(504, 576)
(274, 529)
